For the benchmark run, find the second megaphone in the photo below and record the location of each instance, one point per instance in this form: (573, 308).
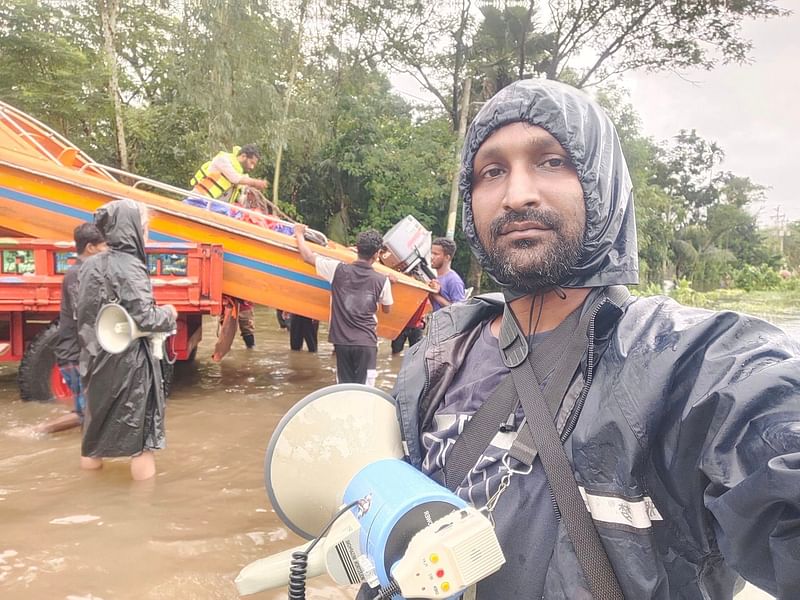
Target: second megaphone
(116, 330)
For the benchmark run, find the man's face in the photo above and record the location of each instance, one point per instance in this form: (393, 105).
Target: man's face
(438, 257)
(528, 207)
(248, 162)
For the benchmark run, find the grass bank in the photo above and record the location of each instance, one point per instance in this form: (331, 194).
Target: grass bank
(761, 303)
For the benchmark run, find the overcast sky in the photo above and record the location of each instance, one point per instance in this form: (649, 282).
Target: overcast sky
(751, 111)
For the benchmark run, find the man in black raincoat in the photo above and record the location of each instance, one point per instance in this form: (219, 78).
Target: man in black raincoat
(124, 392)
(682, 426)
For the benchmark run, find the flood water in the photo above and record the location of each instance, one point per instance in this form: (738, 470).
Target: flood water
(68, 534)
(73, 535)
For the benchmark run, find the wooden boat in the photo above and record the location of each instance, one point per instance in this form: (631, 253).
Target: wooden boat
(47, 187)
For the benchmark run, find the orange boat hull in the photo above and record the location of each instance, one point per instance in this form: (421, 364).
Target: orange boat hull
(40, 197)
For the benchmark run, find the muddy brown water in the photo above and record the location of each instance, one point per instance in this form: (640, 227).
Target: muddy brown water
(72, 535)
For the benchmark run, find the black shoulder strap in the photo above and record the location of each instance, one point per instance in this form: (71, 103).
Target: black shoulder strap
(577, 520)
(540, 436)
(479, 432)
(108, 296)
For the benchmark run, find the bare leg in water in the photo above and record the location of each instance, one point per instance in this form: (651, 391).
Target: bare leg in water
(62, 423)
(90, 463)
(143, 466)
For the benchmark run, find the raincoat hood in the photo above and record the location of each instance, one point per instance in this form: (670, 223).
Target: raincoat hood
(584, 130)
(121, 223)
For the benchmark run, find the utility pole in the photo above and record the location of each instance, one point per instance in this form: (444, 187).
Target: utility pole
(780, 225)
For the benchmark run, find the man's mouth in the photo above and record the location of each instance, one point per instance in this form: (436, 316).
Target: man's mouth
(520, 229)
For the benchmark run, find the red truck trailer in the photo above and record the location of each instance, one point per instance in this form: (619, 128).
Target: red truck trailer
(188, 276)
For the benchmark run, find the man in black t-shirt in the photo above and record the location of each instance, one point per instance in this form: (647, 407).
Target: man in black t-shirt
(356, 291)
(88, 241)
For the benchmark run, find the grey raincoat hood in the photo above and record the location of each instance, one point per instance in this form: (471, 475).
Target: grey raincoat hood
(121, 224)
(587, 134)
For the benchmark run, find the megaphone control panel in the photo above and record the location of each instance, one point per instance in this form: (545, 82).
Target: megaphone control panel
(448, 556)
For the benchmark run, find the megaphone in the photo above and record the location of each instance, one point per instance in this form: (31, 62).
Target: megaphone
(116, 331)
(399, 531)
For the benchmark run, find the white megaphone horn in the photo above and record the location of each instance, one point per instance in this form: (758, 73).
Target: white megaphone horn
(334, 469)
(116, 331)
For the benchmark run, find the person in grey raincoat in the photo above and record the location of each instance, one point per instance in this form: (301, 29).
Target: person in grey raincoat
(682, 426)
(124, 393)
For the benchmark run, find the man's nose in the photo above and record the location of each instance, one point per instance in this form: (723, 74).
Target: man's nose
(523, 189)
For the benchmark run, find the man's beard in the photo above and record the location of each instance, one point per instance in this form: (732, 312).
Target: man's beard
(532, 265)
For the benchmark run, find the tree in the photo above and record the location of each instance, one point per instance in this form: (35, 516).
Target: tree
(228, 66)
(109, 9)
(508, 45)
(620, 36)
(289, 91)
(708, 211)
(686, 171)
(656, 232)
(377, 164)
(791, 246)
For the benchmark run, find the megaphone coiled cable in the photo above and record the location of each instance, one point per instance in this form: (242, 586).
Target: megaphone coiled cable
(297, 575)
(299, 564)
(387, 592)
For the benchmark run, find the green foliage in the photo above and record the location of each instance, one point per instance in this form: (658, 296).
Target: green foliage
(231, 65)
(791, 284)
(201, 75)
(791, 245)
(167, 142)
(409, 172)
(649, 289)
(762, 277)
(684, 294)
(685, 171)
(53, 76)
(767, 304)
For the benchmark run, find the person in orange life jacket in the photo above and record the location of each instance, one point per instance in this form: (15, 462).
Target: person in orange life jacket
(356, 292)
(222, 176)
(221, 179)
(88, 242)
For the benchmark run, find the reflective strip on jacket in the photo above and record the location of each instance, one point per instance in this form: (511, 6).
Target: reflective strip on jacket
(687, 449)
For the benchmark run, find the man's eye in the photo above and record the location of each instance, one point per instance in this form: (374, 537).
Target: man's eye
(555, 162)
(493, 172)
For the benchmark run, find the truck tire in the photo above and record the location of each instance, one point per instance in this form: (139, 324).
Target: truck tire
(38, 372)
(37, 366)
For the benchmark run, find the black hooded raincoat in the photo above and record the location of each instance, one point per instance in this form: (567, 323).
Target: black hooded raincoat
(124, 392)
(687, 438)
